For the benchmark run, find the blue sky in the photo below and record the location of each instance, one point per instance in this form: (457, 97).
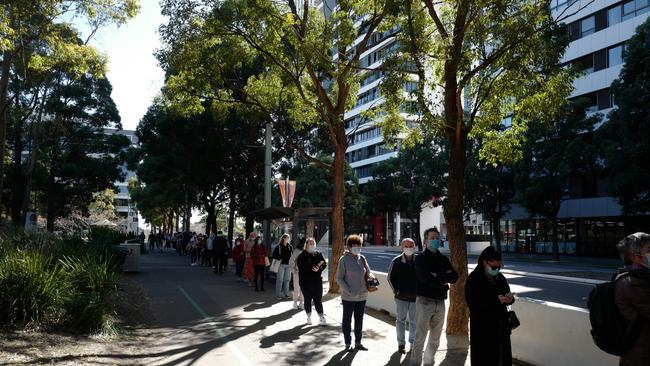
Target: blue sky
(133, 70)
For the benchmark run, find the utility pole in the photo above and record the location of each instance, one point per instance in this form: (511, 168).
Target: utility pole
(267, 182)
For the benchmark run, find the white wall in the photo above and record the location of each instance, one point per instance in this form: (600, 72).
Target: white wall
(550, 334)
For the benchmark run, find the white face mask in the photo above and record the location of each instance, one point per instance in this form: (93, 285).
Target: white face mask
(310, 248)
(409, 251)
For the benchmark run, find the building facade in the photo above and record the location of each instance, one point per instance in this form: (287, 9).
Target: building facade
(129, 218)
(590, 219)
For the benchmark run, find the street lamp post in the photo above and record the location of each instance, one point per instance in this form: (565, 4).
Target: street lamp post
(267, 182)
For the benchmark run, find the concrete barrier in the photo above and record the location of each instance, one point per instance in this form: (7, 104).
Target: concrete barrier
(551, 334)
(473, 247)
(554, 334)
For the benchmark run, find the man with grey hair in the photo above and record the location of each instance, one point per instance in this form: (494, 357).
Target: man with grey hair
(401, 277)
(632, 296)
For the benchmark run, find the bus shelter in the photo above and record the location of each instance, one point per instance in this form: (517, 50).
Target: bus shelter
(298, 223)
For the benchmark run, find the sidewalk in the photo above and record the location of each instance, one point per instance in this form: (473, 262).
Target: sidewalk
(208, 319)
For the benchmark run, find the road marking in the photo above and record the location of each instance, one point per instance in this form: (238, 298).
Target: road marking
(240, 356)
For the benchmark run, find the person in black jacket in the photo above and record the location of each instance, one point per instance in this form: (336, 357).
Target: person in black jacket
(220, 250)
(433, 272)
(311, 264)
(401, 277)
(487, 294)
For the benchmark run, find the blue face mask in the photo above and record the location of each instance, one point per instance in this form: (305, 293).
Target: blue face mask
(433, 244)
(493, 272)
(355, 250)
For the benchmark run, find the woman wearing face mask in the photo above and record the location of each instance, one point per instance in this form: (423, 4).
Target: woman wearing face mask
(351, 276)
(282, 252)
(259, 255)
(487, 294)
(311, 264)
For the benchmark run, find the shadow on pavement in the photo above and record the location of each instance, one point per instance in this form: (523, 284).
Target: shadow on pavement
(396, 359)
(342, 358)
(285, 336)
(457, 351)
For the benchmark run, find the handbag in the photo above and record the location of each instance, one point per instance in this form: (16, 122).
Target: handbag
(372, 283)
(513, 321)
(275, 265)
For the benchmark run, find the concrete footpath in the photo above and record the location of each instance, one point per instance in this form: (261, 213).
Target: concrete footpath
(208, 319)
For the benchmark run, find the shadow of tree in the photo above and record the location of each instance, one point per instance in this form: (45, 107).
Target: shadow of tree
(285, 336)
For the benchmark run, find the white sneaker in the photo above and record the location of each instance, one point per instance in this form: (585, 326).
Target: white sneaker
(309, 319)
(322, 320)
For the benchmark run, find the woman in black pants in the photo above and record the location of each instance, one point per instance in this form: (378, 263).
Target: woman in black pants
(311, 264)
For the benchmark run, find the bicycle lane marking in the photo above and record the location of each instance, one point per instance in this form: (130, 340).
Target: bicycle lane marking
(240, 356)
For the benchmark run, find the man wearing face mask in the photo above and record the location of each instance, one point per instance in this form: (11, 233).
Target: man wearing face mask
(434, 273)
(401, 277)
(632, 296)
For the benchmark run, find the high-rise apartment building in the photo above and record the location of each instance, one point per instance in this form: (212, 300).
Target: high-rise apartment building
(590, 218)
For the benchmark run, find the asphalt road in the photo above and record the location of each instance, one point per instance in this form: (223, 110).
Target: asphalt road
(568, 292)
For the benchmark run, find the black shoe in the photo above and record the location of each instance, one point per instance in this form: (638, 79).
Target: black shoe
(348, 348)
(360, 347)
(401, 349)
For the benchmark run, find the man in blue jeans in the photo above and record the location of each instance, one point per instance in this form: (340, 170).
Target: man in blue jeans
(434, 273)
(401, 277)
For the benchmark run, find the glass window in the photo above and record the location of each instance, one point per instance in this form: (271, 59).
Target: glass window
(640, 4)
(601, 20)
(574, 31)
(628, 10)
(604, 99)
(614, 15)
(615, 56)
(588, 26)
(600, 60)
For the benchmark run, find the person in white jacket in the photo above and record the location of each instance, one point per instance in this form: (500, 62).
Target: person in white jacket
(298, 299)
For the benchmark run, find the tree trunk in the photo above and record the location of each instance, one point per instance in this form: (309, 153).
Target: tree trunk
(556, 247)
(7, 59)
(18, 180)
(211, 221)
(231, 219)
(458, 316)
(497, 232)
(51, 203)
(337, 226)
(178, 220)
(28, 184)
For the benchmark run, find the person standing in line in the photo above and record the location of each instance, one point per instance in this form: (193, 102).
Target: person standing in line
(282, 252)
(434, 273)
(220, 248)
(194, 244)
(209, 245)
(238, 257)
(401, 277)
(259, 255)
(311, 264)
(152, 239)
(297, 294)
(249, 267)
(141, 238)
(632, 296)
(487, 295)
(352, 275)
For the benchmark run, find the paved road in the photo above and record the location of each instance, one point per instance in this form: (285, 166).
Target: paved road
(568, 292)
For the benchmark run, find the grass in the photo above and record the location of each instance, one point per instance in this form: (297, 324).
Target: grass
(59, 283)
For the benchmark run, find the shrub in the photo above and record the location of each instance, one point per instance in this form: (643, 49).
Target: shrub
(32, 289)
(92, 280)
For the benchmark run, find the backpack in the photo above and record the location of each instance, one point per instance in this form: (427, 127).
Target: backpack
(610, 331)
